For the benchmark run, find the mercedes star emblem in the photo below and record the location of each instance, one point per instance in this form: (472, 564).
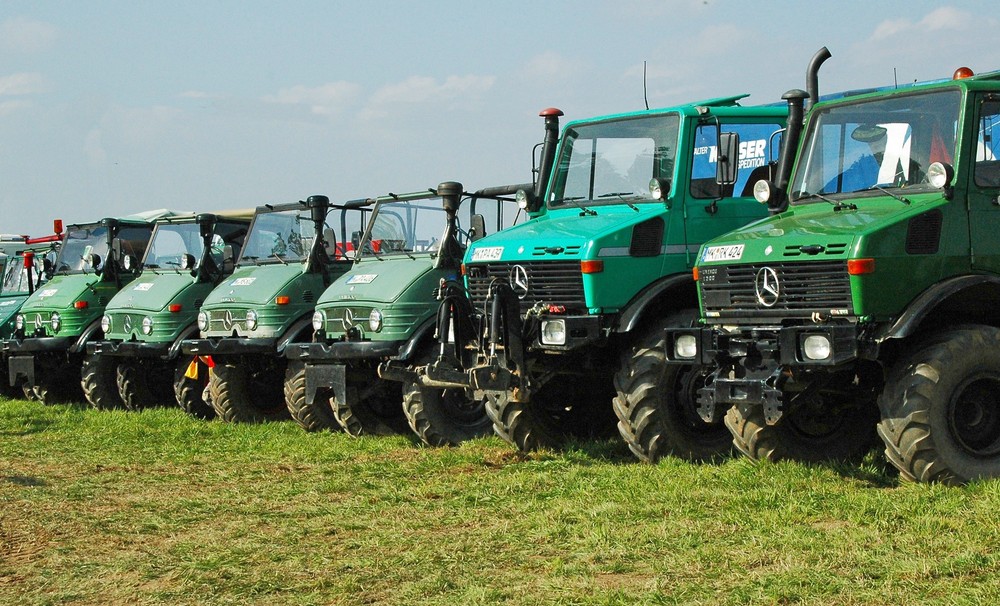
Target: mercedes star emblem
(38, 320)
(127, 324)
(348, 319)
(519, 281)
(766, 286)
(227, 320)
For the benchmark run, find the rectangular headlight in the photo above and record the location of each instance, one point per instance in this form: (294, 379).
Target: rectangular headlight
(553, 332)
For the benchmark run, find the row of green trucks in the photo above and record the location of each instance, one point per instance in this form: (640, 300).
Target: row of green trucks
(795, 280)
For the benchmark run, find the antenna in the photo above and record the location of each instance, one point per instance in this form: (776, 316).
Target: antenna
(895, 82)
(644, 97)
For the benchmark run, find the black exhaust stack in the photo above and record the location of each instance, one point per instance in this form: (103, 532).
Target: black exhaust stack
(549, 144)
(450, 252)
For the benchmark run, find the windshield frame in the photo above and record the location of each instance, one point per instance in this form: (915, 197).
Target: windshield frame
(663, 163)
(362, 250)
(916, 147)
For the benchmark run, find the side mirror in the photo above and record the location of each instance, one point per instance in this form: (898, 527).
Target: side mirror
(48, 267)
(330, 243)
(477, 229)
(355, 240)
(727, 163)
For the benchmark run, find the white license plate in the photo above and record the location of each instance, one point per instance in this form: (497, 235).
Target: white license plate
(731, 252)
(488, 253)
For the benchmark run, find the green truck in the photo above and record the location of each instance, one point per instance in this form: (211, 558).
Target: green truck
(48, 348)
(385, 306)
(139, 363)
(291, 255)
(23, 272)
(565, 313)
(868, 300)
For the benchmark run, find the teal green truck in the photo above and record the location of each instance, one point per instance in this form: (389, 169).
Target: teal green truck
(385, 307)
(23, 273)
(56, 322)
(563, 322)
(868, 301)
(293, 252)
(139, 363)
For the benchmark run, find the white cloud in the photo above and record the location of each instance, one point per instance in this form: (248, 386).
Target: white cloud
(9, 107)
(549, 65)
(23, 84)
(326, 99)
(423, 90)
(24, 35)
(199, 94)
(944, 18)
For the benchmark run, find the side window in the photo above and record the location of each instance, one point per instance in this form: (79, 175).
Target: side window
(987, 169)
(759, 145)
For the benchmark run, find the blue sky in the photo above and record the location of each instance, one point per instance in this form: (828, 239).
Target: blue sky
(108, 107)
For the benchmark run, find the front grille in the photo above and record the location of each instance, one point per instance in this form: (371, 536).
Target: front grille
(554, 282)
(341, 319)
(803, 289)
(225, 320)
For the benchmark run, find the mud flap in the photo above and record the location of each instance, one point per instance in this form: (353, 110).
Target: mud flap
(326, 376)
(21, 366)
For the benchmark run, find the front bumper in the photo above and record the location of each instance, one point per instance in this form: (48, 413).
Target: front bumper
(752, 364)
(342, 350)
(229, 346)
(135, 349)
(39, 345)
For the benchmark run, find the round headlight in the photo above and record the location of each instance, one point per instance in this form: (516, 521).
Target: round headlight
(202, 320)
(55, 321)
(251, 320)
(375, 320)
(656, 189)
(762, 191)
(19, 322)
(105, 324)
(940, 174)
(147, 325)
(521, 197)
(319, 319)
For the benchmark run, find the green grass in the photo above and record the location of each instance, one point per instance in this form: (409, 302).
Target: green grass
(117, 507)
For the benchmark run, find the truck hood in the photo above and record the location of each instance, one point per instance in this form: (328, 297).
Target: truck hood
(151, 292)
(10, 306)
(382, 282)
(62, 291)
(254, 285)
(564, 228)
(813, 225)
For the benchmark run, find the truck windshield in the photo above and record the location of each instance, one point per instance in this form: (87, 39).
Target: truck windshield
(884, 143)
(284, 236)
(81, 242)
(404, 227)
(171, 241)
(608, 162)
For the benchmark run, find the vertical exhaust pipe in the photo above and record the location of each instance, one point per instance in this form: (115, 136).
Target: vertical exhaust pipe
(812, 75)
(549, 144)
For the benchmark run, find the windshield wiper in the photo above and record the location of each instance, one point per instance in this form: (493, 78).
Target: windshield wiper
(621, 196)
(837, 206)
(886, 192)
(573, 199)
(275, 255)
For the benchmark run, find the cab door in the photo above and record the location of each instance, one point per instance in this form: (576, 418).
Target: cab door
(984, 185)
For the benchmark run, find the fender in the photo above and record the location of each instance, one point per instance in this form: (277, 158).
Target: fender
(420, 336)
(294, 331)
(81, 343)
(629, 317)
(175, 349)
(929, 300)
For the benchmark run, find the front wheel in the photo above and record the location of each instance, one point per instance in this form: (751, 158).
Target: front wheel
(941, 408)
(247, 390)
(143, 384)
(371, 406)
(819, 426)
(657, 403)
(317, 416)
(190, 383)
(98, 382)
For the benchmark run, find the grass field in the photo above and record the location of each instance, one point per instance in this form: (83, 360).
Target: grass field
(117, 507)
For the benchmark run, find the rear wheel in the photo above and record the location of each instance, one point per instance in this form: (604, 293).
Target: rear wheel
(821, 426)
(941, 408)
(188, 391)
(99, 384)
(657, 403)
(143, 384)
(317, 416)
(247, 390)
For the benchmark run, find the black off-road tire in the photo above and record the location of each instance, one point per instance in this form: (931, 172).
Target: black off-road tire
(317, 416)
(188, 392)
(443, 417)
(143, 384)
(657, 403)
(243, 392)
(98, 382)
(376, 407)
(941, 408)
(565, 408)
(810, 434)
